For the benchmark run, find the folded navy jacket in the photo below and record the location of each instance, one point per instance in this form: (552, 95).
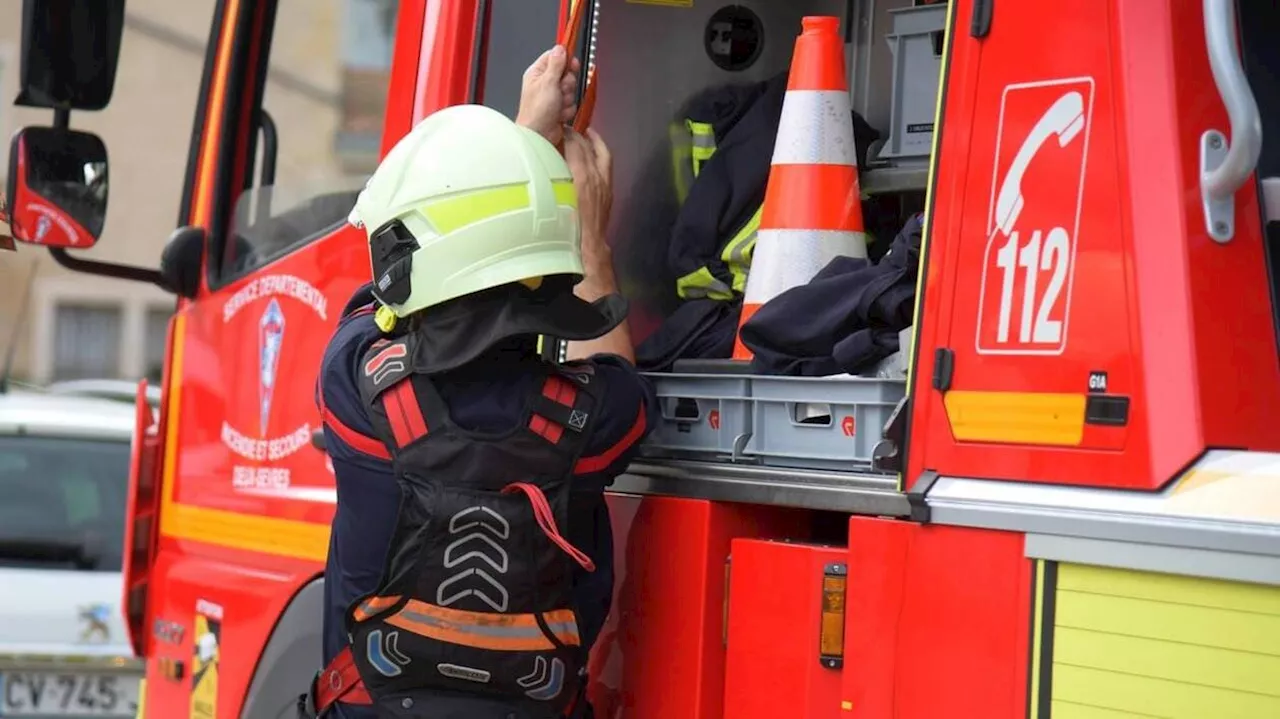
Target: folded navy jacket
(843, 321)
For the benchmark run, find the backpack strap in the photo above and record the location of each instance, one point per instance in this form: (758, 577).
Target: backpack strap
(391, 392)
(403, 413)
(562, 408)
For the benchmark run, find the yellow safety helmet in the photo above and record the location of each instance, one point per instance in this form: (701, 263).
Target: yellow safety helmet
(466, 201)
(471, 205)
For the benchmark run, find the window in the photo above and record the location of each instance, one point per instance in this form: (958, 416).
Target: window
(86, 341)
(326, 96)
(153, 344)
(64, 502)
(367, 42)
(519, 31)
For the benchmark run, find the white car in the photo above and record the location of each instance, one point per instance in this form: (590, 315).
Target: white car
(64, 465)
(119, 389)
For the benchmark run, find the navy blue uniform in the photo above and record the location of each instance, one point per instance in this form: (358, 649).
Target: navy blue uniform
(846, 319)
(486, 395)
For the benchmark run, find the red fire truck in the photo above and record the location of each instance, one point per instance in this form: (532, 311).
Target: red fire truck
(1072, 511)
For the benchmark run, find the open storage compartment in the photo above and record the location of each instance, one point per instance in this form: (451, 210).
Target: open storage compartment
(824, 423)
(656, 59)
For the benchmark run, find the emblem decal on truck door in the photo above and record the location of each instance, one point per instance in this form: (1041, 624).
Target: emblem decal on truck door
(1037, 189)
(261, 312)
(270, 337)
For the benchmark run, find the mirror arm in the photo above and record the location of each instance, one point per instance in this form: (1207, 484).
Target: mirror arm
(106, 269)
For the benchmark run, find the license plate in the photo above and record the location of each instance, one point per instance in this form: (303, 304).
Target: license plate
(63, 694)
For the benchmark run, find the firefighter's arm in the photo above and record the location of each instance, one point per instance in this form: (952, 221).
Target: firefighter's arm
(592, 169)
(624, 418)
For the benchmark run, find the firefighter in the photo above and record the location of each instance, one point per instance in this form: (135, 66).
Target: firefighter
(470, 564)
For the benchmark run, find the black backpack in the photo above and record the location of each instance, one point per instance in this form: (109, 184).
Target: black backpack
(476, 593)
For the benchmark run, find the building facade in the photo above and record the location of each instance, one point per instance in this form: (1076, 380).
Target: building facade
(326, 93)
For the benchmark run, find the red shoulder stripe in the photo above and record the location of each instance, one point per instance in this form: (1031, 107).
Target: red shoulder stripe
(358, 442)
(601, 462)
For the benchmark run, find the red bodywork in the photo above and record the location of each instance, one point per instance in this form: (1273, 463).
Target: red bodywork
(937, 618)
(1155, 304)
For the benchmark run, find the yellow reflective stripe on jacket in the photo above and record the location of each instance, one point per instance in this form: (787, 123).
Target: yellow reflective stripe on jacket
(701, 284)
(737, 251)
(681, 160)
(704, 143)
(736, 254)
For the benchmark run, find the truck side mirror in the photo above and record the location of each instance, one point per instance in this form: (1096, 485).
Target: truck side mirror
(69, 53)
(57, 190)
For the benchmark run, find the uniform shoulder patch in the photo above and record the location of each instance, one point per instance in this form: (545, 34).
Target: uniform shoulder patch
(385, 363)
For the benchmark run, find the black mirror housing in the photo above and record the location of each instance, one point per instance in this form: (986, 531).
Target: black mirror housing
(70, 49)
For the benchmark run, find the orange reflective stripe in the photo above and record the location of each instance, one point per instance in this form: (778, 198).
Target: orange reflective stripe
(372, 606)
(485, 630)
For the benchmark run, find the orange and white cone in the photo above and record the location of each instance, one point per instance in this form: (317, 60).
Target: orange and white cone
(813, 205)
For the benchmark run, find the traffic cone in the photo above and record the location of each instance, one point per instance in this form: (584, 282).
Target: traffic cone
(812, 205)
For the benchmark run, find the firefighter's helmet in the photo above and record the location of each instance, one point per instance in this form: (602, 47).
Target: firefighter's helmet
(467, 201)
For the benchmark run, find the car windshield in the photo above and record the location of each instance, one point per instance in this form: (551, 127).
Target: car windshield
(62, 502)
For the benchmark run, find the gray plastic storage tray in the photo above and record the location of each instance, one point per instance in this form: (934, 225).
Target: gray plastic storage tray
(703, 416)
(803, 422)
(917, 62)
(820, 422)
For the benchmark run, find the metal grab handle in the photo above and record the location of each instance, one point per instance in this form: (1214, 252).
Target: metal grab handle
(1224, 167)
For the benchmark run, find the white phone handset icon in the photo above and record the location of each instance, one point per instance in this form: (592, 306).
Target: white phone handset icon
(1065, 119)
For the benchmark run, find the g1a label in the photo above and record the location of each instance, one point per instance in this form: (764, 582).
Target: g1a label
(1097, 381)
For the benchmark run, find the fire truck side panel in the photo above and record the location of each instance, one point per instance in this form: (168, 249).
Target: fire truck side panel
(245, 512)
(1145, 603)
(937, 622)
(1155, 644)
(773, 632)
(662, 650)
(1076, 197)
(1237, 376)
(246, 603)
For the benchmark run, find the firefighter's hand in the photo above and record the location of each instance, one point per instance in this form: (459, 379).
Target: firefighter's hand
(592, 168)
(548, 94)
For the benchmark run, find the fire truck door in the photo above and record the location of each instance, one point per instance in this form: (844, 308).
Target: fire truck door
(1032, 263)
(283, 151)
